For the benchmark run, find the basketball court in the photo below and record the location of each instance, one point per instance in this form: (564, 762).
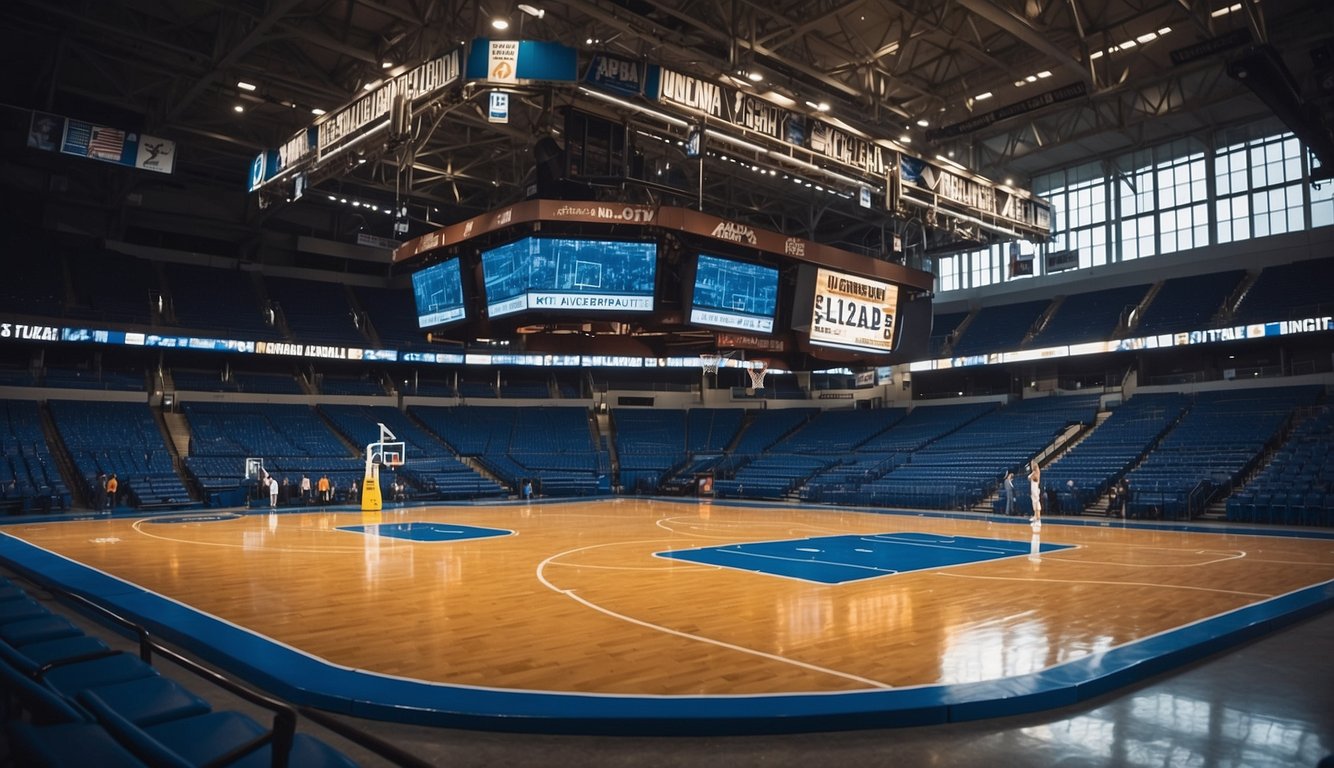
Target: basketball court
(662, 615)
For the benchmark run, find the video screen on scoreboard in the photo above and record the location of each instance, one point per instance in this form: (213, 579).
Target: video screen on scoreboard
(853, 312)
(438, 291)
(734, 294)
(563, 274)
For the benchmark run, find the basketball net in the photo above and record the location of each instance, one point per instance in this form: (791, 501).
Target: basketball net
(710, 362)
(757, 375)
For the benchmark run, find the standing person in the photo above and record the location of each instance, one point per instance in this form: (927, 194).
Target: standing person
(305, 488)
(1009, 492)
(285, 491)
(1035, 492)
(1125, 497)
(100, 492)
(112, 486)
(352, 492)
(272, 482)
(324, 489)
(527, 490)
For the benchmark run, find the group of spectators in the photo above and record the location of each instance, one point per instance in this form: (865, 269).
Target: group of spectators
(323, 491)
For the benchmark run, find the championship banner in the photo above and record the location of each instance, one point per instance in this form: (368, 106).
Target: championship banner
(853, 312)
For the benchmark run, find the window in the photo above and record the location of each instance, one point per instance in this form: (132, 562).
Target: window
(1261, 189)
(1137, 237)
(949, 272)
(1183, 218)
(1158, 201)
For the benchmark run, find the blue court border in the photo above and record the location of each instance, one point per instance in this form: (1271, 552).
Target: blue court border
(306, 680)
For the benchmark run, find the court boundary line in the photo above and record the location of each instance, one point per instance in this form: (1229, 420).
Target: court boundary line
(305, 679)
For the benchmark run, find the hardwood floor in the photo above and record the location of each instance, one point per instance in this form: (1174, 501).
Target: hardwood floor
(576, 600)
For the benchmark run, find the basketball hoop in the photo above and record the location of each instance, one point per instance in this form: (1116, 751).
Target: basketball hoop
(712, 361)
(757, 375)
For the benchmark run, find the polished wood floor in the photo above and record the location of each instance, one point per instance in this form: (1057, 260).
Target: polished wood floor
(575, 600)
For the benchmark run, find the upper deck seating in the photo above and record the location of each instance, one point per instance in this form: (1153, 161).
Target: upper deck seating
(999, 328)
(1092, 316)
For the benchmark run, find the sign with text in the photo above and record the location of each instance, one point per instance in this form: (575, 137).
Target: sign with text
(853, 312)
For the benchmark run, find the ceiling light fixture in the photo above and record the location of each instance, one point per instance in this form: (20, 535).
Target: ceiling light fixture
(238, 108)
(754, 77)
(316, 111)
(983, 96)
(500, 23)
(533, 11)
(243, 85)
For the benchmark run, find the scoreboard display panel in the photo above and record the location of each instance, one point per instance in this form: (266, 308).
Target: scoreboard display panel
(853, 312)
(733, 294)
(438, 291)
(564, 274)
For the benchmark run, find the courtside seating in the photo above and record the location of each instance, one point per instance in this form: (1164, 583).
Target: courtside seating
(74, 702)
(553, 446)
(1296, 487)
(1220, 438)
(291, 439)
(29, 478)
(649, 443)
(124, 440)
(712, 429)
(768, 427)
(1120, 442)
(771, 476)
(816, 447)
(876, 479)
(431, 468)
(1004, 438)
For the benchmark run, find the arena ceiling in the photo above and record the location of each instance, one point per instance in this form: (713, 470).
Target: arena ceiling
(915, 71)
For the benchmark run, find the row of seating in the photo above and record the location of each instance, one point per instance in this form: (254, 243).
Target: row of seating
(77, 702)
(1280, 292)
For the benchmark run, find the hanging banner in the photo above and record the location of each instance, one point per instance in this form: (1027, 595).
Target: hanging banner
(502, 65)
(56, 133)
(616, 75)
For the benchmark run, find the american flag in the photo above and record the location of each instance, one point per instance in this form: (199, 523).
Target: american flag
(106, 143)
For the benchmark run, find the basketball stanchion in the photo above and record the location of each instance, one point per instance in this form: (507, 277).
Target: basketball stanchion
(387, 451)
